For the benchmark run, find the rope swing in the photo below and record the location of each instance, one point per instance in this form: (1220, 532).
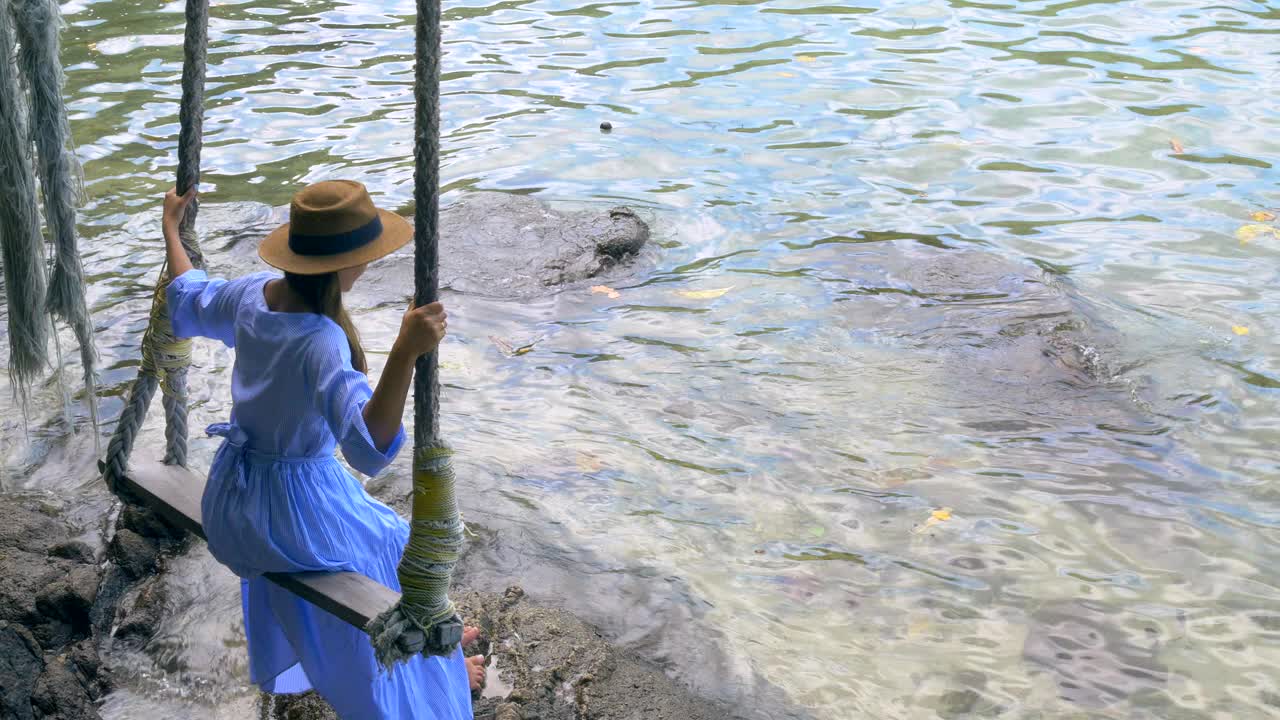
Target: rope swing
(435, 533)
(165, 357)
(424, 620)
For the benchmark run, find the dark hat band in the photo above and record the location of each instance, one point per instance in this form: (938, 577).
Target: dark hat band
(338, 243)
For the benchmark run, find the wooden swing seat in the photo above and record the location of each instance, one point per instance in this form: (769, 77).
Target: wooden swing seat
(175, 493)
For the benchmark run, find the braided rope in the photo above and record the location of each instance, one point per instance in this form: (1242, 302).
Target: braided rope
(121, 445)
(436, 532)
(164, 356)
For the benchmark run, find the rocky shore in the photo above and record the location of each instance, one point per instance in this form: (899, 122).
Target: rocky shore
(65, 605)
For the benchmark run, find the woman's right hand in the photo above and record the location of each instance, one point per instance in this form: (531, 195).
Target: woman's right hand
(422, 329)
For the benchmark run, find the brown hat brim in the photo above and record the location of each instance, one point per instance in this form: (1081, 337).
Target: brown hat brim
(275, 251)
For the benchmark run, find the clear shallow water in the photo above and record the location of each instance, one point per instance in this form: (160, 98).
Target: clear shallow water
(754, 471)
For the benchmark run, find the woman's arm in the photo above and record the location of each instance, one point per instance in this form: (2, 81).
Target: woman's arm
(175, 208)
(421, 331)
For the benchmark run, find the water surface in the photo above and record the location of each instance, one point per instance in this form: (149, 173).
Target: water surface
(740, 455)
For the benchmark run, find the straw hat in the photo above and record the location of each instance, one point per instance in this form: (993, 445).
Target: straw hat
(333, 225)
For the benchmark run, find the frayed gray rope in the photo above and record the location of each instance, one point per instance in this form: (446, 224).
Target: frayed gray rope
(20, 241)
(39, 25)
(425, 616)
(162, 353)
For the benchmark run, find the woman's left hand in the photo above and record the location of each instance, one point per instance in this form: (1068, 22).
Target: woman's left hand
(175, 207)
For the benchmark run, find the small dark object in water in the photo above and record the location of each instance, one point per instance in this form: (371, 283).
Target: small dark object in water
(606, 126)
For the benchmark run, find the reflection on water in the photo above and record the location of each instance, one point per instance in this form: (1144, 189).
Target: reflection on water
(916, 255)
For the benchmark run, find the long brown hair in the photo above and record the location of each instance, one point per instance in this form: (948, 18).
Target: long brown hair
(324, 294)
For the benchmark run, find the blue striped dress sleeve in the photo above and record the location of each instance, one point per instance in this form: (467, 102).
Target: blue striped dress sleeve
(200, 306)
(341, 394)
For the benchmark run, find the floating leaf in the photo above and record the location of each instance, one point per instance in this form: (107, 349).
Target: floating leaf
(1249, 233)
(589, 463)
(940, 515)
(787, 74)
(1262, 216)
(606, 291)
(806, 58)
(507, 349)
(1240, 329)
(918, 626)
(704, 294)
(1177, 146)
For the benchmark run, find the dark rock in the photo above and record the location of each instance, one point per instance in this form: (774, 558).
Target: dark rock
(20, 665)
(73, 550)
(560, 667)
(606, 126)
(113, 587)
(27, 531)
(133, 553)
(51, 596)
(63, 692)
(69, 599)
(150, 524)
(30, 526)
(514, 246)
(139, 622)
(84, 656)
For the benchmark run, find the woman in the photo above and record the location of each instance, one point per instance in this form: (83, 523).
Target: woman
(277, 499)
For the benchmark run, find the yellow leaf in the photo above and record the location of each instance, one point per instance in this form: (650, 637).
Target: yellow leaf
(589, 463)
(1249, 233)
(606, 291)
(806, 58)
(1263, 216)
(937, 516)
(918, 626)
(704, 294)
(1177, 146)
(787, 74)
(1239, 329)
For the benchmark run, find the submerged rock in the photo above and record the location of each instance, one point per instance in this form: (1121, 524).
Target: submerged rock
(515, 246)
(1097, 655)
(1005, 348)
(491, 243)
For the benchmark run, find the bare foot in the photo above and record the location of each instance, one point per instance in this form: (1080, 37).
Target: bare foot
(469, 635)
(475, 671)
(475, 663)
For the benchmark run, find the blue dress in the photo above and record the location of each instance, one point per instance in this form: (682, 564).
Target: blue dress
(278, 500)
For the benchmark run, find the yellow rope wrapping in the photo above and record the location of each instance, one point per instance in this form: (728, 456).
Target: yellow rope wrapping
(161, 350)
(435, 543)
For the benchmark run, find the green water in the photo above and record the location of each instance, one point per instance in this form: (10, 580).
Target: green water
(739, 484)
